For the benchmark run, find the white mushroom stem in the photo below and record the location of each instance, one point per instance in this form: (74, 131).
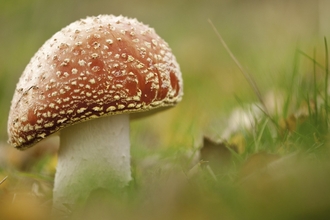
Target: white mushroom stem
(93, 154)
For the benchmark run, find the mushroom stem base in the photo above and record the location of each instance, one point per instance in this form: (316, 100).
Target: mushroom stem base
(94, 154)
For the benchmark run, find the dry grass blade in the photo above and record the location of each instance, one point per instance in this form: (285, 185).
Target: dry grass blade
(311, 59)
(326, 81)
(3, 180)
(247, 76)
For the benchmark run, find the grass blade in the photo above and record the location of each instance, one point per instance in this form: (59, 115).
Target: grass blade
(247, 76)
(3, 180)
(326, 82)
(315, 88)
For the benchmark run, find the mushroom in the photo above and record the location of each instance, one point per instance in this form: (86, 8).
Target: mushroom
(97, 70)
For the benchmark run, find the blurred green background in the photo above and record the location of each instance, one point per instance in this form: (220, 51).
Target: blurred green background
(262, 34)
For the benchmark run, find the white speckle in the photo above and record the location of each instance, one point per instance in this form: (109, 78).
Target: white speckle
(130, 58)
(140, 65)
(154, 42)
(147, 44)
(109, 41)
(43, 135)
(24, 119)
(37, 127)
(65, 62)
(155, 103)
(95, 55)
(74, 71)
(66, 99)
(149, 75)
(96, 68)
(92, 81)
(60, 121)
(131, 105)
(81, 110)
(82, 62)
(50, 124)
(136, 98)
(21, 140)
(121, 106)
(97, 109)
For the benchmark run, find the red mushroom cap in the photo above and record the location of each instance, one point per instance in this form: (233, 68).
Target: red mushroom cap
(94, 67)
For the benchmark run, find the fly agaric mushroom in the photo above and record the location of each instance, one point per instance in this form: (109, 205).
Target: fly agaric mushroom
(95, 67)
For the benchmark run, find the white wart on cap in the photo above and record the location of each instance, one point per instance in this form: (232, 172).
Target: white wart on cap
(94, 67)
